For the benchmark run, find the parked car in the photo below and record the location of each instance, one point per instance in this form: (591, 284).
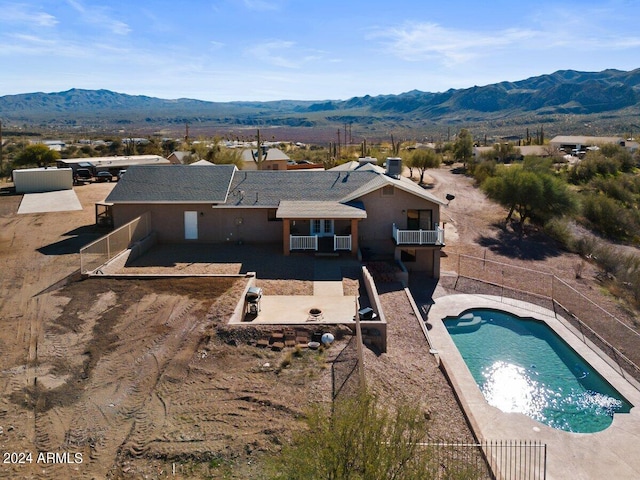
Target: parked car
(82, 175)
(121, 173)
(104, 177)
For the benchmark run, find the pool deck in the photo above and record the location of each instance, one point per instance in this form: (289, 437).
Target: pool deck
(612, 453)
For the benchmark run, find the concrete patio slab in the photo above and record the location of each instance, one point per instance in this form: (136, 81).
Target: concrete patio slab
(59, 201)
(611, 453)
(296, 309)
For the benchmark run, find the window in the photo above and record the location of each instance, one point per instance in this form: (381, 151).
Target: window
(388, 191)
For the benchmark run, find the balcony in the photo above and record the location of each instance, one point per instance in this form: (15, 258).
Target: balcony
(418, 237)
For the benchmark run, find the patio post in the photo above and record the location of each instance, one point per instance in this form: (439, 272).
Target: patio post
(286, 239)
(354, 236)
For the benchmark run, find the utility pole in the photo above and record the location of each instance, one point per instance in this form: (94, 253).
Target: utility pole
(339, 143)
(186, 133)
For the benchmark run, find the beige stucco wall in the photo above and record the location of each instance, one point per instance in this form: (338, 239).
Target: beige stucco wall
(382, 211)
(251, 225)
(214, 225)
(427, 259)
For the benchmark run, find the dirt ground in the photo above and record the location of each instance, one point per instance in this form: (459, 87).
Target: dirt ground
(142, 379)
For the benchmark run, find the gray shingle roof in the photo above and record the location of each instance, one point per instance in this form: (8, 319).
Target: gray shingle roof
(268, 188)
(173, 184)
(226, 186)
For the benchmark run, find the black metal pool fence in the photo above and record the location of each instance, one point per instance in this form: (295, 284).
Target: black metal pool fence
(490, 460)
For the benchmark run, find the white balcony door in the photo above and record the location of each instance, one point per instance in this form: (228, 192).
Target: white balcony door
(190, 225)
(321, 227)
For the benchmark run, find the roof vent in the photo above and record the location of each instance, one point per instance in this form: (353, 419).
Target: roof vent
(394, 166)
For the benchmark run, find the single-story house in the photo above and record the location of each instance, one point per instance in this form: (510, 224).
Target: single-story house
(366, 211)
(272, 159)
(525, 151)
(178, 156)
(113, 164)
(578, 143)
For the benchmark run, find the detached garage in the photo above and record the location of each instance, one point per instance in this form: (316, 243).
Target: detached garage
(37, 180)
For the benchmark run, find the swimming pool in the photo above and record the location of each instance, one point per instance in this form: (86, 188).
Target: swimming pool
(522, 365)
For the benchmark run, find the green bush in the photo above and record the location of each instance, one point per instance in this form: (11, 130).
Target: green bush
(484, 170)
(594, 164)
(616, 188)
(362, 439)
(558, 229)
(610, 218)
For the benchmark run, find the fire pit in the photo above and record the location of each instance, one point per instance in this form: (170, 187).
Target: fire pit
(315, 314)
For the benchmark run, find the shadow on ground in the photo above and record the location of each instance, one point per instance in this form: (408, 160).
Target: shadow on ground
(534, 246)
(77, 238)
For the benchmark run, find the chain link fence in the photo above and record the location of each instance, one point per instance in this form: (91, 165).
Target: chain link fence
(99, 252)
(345, 378)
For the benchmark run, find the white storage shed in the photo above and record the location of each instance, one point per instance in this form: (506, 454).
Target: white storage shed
(37, 180)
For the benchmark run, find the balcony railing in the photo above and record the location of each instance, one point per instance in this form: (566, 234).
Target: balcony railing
(341, 242)
(303, 242)
(418, 237)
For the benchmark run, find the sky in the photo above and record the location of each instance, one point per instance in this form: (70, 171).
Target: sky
(261, 50)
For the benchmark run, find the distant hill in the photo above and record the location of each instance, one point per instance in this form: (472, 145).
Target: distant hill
(566, 97)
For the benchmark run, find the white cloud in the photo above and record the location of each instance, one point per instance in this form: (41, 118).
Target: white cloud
(430, 41)
(98, 16)
(260, 5)
(18, 13)
(455, 47)
(284, 54)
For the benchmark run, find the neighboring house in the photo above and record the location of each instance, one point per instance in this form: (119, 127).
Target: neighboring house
(178, 157)
(55, 145)
(525, 151)
(272, 159)
(113, 164)
(365, 211)
(569, 143)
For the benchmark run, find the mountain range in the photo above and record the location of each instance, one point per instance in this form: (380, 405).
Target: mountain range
(565, 100)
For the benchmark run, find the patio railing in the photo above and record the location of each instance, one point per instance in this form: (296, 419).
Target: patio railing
(341, 242)
(303, 242)
(418, 237)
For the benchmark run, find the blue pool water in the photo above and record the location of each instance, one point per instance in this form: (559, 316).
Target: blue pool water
(521, 365)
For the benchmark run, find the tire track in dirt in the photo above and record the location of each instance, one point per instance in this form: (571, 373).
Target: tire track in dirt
(166, 347)
(120, 412)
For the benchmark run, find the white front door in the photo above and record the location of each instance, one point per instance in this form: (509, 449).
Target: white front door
(190, 225)
(321, 227)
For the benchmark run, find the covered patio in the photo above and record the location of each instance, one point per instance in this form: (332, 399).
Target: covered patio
(320, 225)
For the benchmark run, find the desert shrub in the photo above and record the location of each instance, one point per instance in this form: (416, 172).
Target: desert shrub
(362, 439)
(484, 170)
(558, 229)
(618, 189)
(585, 246)
(610, 218)
(594, 164)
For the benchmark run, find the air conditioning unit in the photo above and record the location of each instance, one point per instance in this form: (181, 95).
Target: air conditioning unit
(394, 167)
